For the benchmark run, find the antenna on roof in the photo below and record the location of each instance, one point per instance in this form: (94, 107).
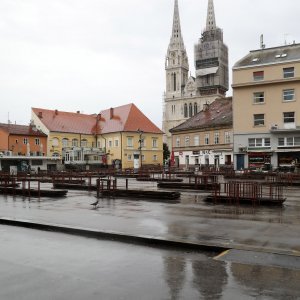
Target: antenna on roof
(285, 38)
(262, 45)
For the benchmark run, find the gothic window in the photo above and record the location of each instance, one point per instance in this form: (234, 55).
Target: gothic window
(174, 82)
(185, 110)
(207, 78)
(195, 108)
(190, 110)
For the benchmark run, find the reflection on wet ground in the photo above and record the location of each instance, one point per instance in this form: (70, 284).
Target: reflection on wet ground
(190, 220)
(78, 268)
(58, 266)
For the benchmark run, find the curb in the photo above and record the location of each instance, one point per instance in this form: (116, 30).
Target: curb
(113, 236)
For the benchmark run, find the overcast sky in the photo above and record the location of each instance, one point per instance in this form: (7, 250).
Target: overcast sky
(90, 55)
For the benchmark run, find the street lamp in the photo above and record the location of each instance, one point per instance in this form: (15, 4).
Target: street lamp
(140, 132)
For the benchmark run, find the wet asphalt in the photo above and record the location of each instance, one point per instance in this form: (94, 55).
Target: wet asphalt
(128, 271)
(46, 265)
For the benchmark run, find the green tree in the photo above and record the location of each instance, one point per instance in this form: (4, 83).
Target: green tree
(166, 152)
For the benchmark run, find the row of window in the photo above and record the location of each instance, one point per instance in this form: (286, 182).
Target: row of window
(142, 142)
(227, 139)
(66, 142)
(286, 73)
(190, 110)
(287, 95)
(111, 143)
(130, 157)
(37, 141)
(282, 142)
(288, 118)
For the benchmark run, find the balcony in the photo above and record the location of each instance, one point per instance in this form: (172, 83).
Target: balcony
(284, 128)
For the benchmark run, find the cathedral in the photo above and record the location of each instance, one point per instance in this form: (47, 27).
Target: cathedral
(185, 95)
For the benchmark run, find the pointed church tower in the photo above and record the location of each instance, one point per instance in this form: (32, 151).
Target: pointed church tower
(177, 65)
(211, 19)
(211, 58)
(177, 73)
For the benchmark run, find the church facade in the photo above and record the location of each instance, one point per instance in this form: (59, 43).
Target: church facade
(185, 95)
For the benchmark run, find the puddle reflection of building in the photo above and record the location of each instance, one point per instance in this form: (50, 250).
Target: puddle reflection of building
(174, 268)
(277, 283)
(210, 278)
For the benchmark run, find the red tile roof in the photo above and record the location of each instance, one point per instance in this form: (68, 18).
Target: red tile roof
(119, 119)
(126, 118)
(25, 130)
(218, 114)
(67, 122)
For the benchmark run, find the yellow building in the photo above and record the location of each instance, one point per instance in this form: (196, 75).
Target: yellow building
(123, 137)
(266, 110)
(130, 138)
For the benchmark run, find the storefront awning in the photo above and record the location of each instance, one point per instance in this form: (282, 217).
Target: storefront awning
(207, 71)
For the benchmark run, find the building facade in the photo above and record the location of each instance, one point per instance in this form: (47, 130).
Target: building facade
(185, 95)
(72, 137)
(266, 109)
(206, 138)
(122, 137)
(24, 148)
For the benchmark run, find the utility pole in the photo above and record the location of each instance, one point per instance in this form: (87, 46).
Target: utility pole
(140, 132)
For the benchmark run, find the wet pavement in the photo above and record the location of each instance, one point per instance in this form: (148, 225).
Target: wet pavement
(46, 265)
(273, 229)
(51, 265)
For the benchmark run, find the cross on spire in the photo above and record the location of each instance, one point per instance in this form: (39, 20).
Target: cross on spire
(211, 19)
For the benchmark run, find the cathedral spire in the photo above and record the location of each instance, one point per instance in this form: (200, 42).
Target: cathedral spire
(211, 19)
(176, 38)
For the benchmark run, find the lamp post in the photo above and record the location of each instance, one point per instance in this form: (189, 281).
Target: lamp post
(140, 132)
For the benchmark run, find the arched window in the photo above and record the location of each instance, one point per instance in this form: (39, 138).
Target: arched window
(190, 110)
(55, 142)
(55, 154)
(65, 142)
(84, 143)
(75, 143)
(185, 110)
(195, 108)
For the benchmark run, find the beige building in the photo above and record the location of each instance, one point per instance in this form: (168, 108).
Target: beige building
(206, 138)
(266, 110)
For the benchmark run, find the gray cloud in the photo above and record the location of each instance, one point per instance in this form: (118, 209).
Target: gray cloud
(93, 54)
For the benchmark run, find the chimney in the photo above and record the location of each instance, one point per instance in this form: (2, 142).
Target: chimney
(40, 115)
(99, 117)
(111, 113)
(78, 111)
(206, 106)
(56, 112)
